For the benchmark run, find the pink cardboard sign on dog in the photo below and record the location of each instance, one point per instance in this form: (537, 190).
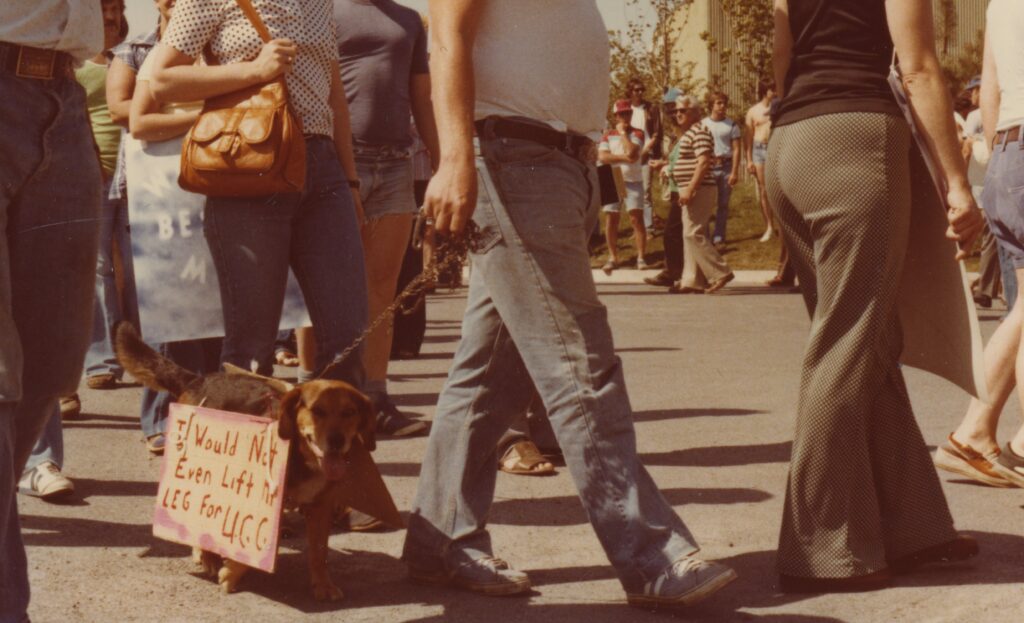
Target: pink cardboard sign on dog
(222, 484)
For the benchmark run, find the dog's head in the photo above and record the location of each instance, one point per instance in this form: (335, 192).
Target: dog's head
(326, 418)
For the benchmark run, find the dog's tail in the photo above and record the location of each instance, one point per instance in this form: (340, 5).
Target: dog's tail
(148, 366)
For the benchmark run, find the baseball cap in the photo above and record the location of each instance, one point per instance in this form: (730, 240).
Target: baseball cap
(974, 83)
(623, 106)
(671, 95)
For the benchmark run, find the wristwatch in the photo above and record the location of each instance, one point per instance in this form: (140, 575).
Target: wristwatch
(355, 184)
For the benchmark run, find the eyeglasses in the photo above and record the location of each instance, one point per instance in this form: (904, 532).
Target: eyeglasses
(680, 111)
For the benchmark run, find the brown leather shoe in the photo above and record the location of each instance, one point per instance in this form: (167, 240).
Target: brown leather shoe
(720, 283)
(960, 548)
(857, 584)
(105, 380)
(964, 460)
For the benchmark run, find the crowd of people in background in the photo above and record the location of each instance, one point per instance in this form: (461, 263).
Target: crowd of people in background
(535, 374)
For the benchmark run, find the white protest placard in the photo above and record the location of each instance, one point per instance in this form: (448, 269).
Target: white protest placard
(176, 283)
(222, 484)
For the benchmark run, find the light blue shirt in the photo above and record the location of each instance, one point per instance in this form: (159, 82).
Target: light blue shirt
(724, 132)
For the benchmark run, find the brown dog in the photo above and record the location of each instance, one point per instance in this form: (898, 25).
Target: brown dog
(324, 420)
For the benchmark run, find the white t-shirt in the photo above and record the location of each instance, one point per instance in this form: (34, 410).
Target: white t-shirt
(614, 142)
(72, 26)
(1005, 23)
(543, 60)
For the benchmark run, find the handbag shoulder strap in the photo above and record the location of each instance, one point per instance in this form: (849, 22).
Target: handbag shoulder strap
(254, 19)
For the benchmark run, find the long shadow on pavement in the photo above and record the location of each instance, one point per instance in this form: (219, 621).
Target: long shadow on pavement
(672, 414)
(721, 456)
(567, 511)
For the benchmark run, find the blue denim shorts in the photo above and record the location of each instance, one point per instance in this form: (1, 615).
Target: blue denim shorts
(1003, 198)
(386, 180)
(632, 202)
(760, 153)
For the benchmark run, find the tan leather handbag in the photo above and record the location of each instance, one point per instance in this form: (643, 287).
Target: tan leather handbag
(247, 143)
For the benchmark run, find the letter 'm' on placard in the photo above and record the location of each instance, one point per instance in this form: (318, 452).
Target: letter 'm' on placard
(217, 494)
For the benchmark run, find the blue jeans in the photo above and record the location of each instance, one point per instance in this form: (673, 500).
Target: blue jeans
(108, 309)
(49, 203)
(50, 446)
(253, 241)
(721, 176)
(533, 315)
(385, 175)
(646, 198)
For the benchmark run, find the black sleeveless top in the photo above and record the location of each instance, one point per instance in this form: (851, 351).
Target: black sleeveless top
(841, 56)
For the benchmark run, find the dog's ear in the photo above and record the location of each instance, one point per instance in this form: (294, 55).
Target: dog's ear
(287, 427)
(367, 422)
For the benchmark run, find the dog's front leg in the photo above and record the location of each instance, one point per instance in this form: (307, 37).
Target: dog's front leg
(230, 575)
(318, 529)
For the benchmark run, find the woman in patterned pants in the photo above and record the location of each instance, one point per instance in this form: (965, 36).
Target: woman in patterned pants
(863, 499)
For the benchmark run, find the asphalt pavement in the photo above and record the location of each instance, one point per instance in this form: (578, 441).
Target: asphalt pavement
(713, 383)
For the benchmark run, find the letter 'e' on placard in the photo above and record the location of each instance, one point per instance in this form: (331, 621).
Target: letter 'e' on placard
(222, 484)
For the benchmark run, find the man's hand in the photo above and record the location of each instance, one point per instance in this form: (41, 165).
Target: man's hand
(360, 213)
(965, 220)
(733, 179)
(685, 195)
(277, 57)
(451, 197)
(750, 168)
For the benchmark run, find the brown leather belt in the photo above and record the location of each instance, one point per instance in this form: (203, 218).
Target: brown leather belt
(575, 145)
(38, 63)
(1007, 136)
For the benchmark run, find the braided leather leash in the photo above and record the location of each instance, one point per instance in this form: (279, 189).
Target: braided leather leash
(453, 250)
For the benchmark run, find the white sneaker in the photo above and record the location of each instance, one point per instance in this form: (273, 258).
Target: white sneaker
(45, 481)
(641, 264)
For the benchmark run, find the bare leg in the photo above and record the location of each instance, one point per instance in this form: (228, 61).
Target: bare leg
(305, 343)
(762, 196)
(384, 242)
(636, 218)
(978, 428)
(611, 235)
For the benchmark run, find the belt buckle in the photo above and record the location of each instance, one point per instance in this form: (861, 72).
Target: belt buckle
(35, 63)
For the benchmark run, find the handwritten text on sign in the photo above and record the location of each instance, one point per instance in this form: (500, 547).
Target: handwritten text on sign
(222, 484)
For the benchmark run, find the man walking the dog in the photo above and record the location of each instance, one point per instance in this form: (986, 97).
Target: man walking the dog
(535, 89)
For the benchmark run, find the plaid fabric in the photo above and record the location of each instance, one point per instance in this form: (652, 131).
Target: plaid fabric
(132, 53)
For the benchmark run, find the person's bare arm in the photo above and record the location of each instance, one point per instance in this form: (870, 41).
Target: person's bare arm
(423, 115)
(176, 77)
(782, 46)
(451, 194)
(343, 134)
(737, 155)
(120, 86)
(990, 97)
(912, 31)
(147, 123)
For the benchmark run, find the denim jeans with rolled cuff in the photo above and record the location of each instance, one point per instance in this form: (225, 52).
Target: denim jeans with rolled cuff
(533, 316)
(254, 240)
(50, 185)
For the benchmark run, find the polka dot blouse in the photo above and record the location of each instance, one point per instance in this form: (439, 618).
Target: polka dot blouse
(223, 26)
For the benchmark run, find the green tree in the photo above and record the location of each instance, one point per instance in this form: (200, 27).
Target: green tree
(644, 49)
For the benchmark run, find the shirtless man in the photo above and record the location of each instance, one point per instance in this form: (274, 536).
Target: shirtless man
(759, 128)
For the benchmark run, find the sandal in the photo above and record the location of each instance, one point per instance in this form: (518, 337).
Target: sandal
(608, 267)
(523, 458)
(286, 358)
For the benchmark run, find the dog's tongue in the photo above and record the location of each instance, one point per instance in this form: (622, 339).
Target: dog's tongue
(333, 466)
